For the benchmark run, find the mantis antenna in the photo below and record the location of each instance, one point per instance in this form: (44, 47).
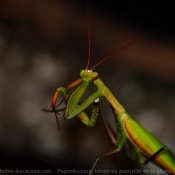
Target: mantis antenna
(89, 36)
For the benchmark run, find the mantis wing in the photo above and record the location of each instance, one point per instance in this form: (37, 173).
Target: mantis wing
(148, 144)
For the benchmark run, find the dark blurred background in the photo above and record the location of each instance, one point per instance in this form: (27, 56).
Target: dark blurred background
(44, 45)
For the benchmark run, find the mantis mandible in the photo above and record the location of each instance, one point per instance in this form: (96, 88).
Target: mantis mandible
(143, 145)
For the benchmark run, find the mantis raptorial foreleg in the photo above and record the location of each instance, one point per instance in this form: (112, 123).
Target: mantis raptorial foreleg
(88, 121)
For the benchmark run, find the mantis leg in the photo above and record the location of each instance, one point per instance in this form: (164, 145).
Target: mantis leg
(109, 130)
(121, 141)
(94, 114)
(88, 121)
(64, 92)
(104, 156)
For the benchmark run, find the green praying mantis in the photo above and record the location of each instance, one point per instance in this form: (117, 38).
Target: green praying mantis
(144, 147)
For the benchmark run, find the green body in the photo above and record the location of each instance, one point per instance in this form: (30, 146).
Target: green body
(143, 144)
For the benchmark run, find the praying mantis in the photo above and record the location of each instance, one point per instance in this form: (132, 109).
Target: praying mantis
(144, 147)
